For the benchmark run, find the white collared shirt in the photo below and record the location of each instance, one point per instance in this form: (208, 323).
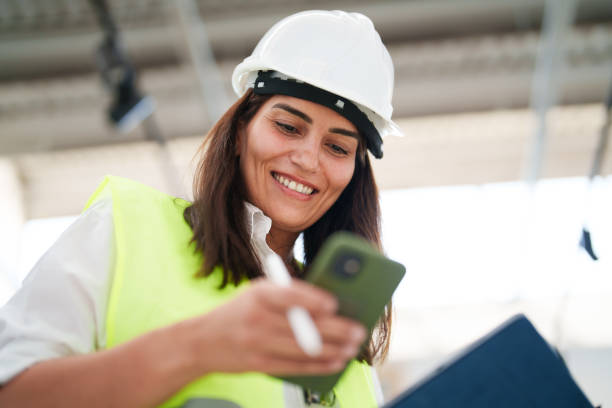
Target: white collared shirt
(258, 226)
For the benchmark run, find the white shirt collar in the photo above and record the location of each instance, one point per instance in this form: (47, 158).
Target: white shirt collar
(258, 226)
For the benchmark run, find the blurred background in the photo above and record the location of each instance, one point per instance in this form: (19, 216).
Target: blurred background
(504, 162)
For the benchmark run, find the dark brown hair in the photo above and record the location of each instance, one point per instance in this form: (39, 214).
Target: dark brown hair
(217, 215)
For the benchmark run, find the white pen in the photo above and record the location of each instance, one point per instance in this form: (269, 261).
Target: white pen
(304, 329)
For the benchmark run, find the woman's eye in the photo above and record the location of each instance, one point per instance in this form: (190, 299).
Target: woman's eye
(286, 128)
(338, 150)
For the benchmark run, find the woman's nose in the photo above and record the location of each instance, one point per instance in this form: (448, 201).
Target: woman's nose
(306, 155)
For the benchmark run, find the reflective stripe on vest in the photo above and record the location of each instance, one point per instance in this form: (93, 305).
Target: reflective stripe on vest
(154, 285)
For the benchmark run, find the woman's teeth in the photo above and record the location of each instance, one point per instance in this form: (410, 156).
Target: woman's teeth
(292, 185)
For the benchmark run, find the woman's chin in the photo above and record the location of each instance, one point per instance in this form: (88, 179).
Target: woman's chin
(290, 222)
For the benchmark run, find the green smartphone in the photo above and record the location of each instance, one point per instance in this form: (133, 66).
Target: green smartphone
(362, 279)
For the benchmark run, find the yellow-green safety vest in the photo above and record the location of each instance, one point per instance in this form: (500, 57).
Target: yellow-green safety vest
(154, 285)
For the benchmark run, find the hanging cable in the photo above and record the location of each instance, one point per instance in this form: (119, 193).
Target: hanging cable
(130, 107)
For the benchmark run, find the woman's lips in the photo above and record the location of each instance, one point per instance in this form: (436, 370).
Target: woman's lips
(294, 185)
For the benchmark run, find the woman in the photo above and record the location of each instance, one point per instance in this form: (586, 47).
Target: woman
(169, 294)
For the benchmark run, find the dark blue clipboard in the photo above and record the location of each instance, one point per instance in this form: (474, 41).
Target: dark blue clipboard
(511, 367)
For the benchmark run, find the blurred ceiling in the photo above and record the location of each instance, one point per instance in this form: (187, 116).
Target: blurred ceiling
(458, 63)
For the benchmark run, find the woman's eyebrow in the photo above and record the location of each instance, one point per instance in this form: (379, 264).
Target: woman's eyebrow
(308, 120)
(344, 132)
(293, 111)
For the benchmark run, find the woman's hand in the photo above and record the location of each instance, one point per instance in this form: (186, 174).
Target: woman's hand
(252, 333)
(249, 333)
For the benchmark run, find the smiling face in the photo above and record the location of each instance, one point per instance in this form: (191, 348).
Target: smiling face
(296, 158)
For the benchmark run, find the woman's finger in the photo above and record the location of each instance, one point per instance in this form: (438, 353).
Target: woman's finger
(339, 329)
(283, 344)
(277, 300)
(332, 328)
(299, 293)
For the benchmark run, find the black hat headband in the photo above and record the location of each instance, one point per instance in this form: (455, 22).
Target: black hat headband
(265, 84)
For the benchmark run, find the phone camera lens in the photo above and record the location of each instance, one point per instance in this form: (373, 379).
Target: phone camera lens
(351, 266)
(347, 265)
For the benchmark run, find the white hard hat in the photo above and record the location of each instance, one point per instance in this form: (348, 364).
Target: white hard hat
(333, 58)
